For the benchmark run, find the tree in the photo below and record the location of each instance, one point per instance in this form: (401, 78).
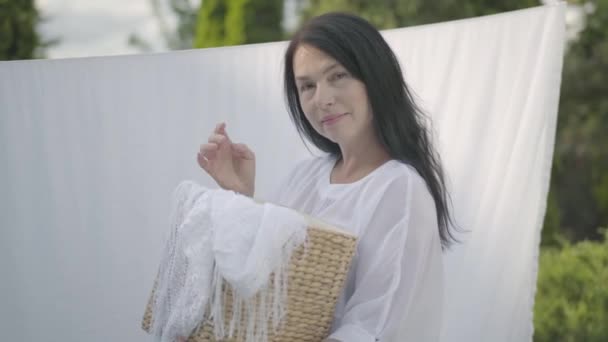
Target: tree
(178, 38)
(210, 29)
(572, 296)
(578, 199)
(183, 36)
(216, 23)
(385, 14)
(222, 22)
(18, 36)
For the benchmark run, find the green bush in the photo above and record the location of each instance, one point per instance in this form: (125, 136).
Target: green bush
(572, 292)
(18, 36)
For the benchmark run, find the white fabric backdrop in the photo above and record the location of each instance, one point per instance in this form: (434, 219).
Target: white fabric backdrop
(91, 148)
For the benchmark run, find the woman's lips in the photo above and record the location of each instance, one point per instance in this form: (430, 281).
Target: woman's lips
(331, 119)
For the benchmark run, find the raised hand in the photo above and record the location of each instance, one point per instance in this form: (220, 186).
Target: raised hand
(230, 164)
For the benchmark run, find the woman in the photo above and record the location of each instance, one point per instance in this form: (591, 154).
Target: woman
(380, 179)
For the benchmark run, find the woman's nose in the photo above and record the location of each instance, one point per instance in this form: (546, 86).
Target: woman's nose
(324, 96)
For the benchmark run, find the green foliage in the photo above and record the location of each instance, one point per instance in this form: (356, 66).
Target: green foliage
(18, 36)
(235, 23)
(386, 14)
(579, 181)
(222, 22)
(210, 24)
(572, 293)
(177, 38)
(186, 24)
(551, 234)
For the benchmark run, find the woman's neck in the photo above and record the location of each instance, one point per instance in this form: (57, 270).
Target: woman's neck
(358, 160)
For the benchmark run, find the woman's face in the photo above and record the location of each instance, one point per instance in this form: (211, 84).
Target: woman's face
(334, 102)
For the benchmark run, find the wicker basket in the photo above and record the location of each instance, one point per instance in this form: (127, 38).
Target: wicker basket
(315, 280)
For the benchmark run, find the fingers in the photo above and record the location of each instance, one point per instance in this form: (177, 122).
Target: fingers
(202, 161)
(207, 152)
(217, 139)
(221, 129)
(243, 151)
(217, 143)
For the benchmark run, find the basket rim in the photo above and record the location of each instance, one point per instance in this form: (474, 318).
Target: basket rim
(315, 223)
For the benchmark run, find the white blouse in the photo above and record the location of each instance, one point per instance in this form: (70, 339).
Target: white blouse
(394, 289)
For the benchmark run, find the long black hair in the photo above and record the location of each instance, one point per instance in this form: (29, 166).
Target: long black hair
(398, 121)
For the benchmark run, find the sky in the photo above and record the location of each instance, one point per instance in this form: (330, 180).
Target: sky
(102, 28)
(96, 28)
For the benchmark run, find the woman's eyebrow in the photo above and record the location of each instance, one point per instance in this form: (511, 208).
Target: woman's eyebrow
(329, 68)
(325, 71)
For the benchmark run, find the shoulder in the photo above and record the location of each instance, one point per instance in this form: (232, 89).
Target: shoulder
(300, 175)
(419, 210)
(310, 165)
(400, 180)
(399, 192)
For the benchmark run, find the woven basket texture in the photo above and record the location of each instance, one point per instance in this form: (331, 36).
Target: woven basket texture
(316, 277)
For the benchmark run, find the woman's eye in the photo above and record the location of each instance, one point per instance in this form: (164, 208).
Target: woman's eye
(339, 75)
(305, 87)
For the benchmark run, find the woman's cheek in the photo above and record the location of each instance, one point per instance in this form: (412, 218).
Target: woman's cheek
(309, 116)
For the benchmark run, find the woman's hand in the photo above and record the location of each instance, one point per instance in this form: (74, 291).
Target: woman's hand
(231, 165)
